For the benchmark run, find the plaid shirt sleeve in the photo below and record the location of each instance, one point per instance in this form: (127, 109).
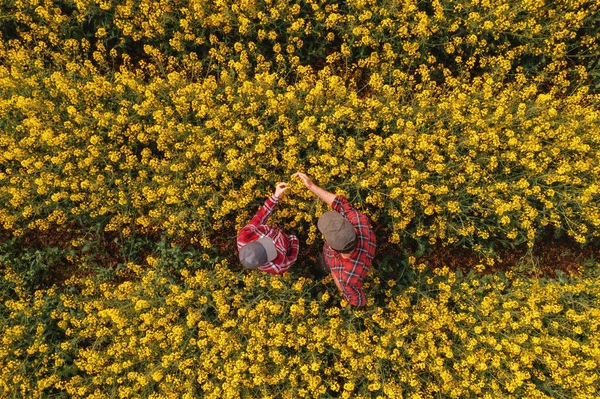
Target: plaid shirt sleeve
(345, 208)
(350, 272)
(250, 232)
(265, 211)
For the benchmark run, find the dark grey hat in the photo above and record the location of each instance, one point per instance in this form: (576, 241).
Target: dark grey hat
(258, 253)
(339, 232)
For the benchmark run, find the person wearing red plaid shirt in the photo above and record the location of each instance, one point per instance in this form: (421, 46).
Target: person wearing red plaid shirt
(349, 243)
(265, 247)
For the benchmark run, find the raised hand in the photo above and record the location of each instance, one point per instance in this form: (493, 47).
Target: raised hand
(280, 189)
(305, 179)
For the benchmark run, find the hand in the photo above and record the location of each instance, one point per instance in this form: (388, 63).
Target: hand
(324, 195)
(280, 189)
(305, 179)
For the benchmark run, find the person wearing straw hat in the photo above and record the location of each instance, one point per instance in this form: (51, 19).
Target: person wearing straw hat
(349, 243)
(265, 247)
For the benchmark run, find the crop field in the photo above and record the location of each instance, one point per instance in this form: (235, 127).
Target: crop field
(137, 137)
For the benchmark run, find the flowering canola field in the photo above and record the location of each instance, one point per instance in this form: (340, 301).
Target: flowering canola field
(455, 122)
(215, 333)
(468, 123)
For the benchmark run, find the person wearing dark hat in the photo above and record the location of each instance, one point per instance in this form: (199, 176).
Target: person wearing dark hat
(265, 247)
(349, 243)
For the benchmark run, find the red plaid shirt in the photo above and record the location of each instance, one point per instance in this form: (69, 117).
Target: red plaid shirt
(287, 246)
(350, 272)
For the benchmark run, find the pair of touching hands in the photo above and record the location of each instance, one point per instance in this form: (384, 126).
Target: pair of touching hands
(280, 188)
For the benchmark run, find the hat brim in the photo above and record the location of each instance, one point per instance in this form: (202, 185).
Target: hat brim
(269, 246)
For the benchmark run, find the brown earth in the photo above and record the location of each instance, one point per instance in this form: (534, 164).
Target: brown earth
(548, 255)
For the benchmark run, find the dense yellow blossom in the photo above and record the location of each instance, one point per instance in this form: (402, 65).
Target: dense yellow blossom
(212, 332)
(178, 118)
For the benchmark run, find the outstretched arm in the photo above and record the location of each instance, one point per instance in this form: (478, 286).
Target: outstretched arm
(323, 194)
(265, 211)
